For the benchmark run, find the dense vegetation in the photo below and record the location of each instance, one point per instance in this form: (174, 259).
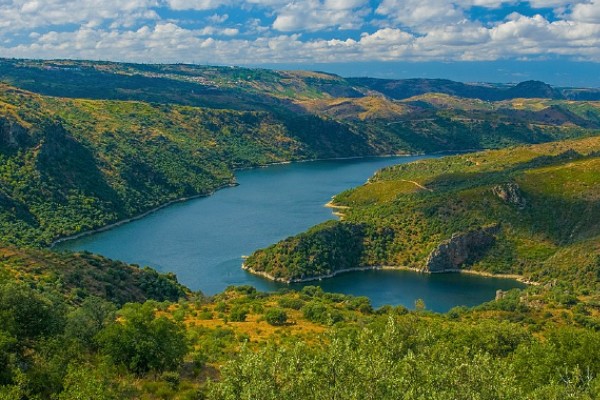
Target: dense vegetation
(535, 344)
(544, 199)
(117, 140)
(68, 165)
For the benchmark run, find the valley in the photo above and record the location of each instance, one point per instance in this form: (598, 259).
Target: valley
(87, 144)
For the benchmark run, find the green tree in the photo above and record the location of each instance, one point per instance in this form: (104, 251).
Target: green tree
(85, 322)
(238, 314)
(87, 382)
(27, 315)
(142, 341)
(276, 316)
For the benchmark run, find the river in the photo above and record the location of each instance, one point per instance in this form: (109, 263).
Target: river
(203, 240)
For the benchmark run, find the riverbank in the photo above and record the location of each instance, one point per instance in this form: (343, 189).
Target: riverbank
(333, 159)
(137, 217)
(183, 199)
(335, 208)
(518, 278)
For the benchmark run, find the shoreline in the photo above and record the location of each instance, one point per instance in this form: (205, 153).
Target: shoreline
(183, 199)
(518, 278)
(332, 159)
(136, 217)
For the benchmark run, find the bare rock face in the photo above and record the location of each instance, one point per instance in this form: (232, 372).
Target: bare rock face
(510, 193)
(463, 247)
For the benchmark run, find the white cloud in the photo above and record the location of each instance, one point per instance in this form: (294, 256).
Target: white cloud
(275, 30)
(32, 14)
(218, 19)
(313, 15)
(420, 14)
(196, 4)
(215, 31)
(588, 12)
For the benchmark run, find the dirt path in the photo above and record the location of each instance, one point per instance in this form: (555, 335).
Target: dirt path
(417, 184)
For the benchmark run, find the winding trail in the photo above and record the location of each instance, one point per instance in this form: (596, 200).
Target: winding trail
(418, 185)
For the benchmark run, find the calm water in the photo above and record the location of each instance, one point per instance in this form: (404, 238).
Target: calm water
(203, 240)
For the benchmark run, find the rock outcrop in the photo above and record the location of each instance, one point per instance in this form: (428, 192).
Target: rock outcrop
(461, 248)
(510, 193)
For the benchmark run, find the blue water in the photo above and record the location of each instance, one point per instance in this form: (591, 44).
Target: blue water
(203, 240)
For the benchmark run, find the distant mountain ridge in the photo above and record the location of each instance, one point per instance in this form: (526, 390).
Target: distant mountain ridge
(219, 87)
(400, 89)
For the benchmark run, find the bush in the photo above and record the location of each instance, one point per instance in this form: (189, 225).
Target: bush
(287, 302)
(238, 314)
(276, 317)
(143, 342)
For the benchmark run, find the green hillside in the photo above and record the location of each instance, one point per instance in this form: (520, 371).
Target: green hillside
(85, 144)
(67, 166)
(531, 211)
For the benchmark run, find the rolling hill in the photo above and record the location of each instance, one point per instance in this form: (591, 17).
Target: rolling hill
(86, 144)
(530, 211)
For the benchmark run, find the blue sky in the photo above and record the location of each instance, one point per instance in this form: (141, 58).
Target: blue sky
(486, 40)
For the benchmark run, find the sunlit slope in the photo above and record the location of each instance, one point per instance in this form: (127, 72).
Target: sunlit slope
(69, 165)
(533, 211)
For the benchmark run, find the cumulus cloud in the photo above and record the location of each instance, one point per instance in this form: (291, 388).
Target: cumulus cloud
(587, 12)
(420, 14)
(297, 30)
(31, 14)
(312, 15)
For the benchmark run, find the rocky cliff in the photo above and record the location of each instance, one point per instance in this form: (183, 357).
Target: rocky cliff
(510, 193)
(461, 248)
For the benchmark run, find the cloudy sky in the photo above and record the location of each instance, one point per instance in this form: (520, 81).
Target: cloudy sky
(552, 34)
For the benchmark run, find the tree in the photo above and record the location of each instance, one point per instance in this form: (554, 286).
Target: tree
(238, 314)
(85, 322)
(27, 315)
(143, 342)
(276, 316)
(86, 382)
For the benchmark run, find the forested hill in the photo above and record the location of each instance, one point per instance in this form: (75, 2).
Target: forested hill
(532, 211)
(69, 165)
(85, 144)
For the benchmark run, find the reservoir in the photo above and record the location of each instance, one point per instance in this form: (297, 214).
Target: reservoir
(203, 240)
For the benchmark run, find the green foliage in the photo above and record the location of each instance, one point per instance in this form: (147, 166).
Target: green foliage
(238, 314)
(276, 316)
(85, 322)
(410, 359)
(78, 276)
(26, 315)
(87, 382)
(292, 303)
(142, 341)
(311, 254)
(545, 230)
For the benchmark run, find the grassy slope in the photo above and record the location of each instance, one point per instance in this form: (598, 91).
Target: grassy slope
(393, 221)
(524, 337)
